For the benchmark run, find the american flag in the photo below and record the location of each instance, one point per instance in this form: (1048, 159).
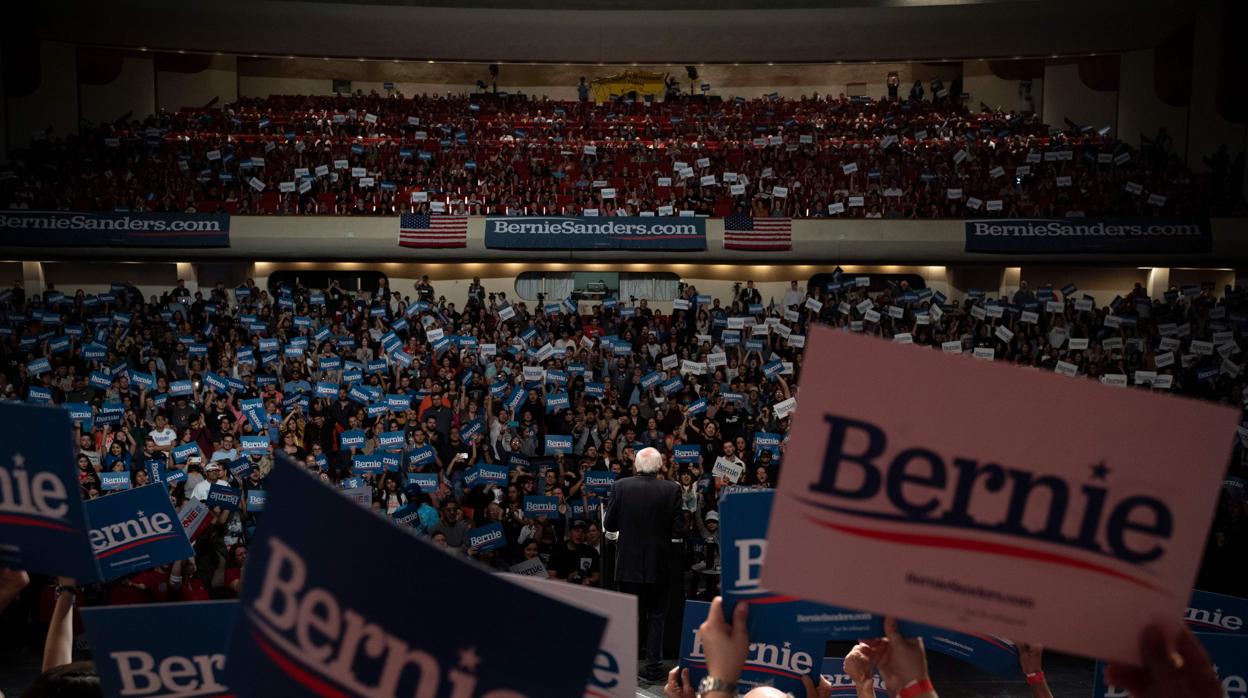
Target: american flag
(741, 232)
(425, 230)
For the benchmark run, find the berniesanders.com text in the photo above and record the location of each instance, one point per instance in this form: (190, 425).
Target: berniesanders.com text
(1066, 229)
(124, 223)
(969, 590)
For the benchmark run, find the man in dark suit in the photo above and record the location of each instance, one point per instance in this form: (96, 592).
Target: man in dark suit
(644, 512)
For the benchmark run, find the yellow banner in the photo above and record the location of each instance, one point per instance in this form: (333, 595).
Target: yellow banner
(642, 82)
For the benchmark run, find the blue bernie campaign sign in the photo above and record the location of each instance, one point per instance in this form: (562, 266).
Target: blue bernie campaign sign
(776, 657)
(42, 522)
(577, 232)
(362, 464)
(353, 438)
(256, 500)
(765, 441)
(582, 508)
(492, 474)
(135, 530)
(408, 515)
(306, 576)
(743, 521)
(833, 669)
(115, 229)
(487, 537)
(161, 649)
(113, 482)
(427, 482)
(1081, 235)
(422, 456)
(686, 453)
(599, 481)
(390, 440)
(184, 452)
(254, 445)
(535, 506)
(326, 389)
(1216, 613)
(1229, 654)
(993, 654)
(471, 430)
(558, 443)
(228, 498)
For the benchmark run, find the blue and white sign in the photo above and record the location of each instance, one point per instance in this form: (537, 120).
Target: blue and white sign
(993, 654)
(558, 443)
(422, 456)
(777, 657)
(227, 498)
(301, 572)
(135, 530)
(254, 445)
(743, 519)
(686, 453)
(161, 650)
(1079, 235)
(833, 670)
(352, 439)
(537, 505)
(42, 522)
(487, 537)
(1216, 613)
(599, 481)
(114, 481)
(426, 482)
(256, 500)
(579, 233)
(390, 440)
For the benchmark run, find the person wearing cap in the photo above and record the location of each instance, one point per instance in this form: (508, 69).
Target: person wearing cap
(574, 561)
(212, 473)
(645, 515)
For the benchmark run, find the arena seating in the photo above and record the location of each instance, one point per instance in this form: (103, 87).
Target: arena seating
(224, 364)
(488, 154)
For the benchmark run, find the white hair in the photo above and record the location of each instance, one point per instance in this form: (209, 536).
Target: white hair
(649, 461)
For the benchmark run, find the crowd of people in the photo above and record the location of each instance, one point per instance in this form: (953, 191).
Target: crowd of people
(821, 156)
(374, 392)
(406, 400)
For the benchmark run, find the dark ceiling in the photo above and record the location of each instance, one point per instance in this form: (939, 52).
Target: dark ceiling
(614, 31)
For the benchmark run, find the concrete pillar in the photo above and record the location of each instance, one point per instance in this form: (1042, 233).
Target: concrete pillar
(32, 278)
(187, 272)
(1158, 281)
(1010, 281)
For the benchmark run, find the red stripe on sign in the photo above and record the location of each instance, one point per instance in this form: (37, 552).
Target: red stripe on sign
(288, 667)
(751, 667)
(19, 520)
(774, 598)
(135, 544)
(433, 244)
(979, 546)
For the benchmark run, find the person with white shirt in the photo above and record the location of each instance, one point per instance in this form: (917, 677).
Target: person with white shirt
(212, 473)
(794, 295)
(163, 436)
